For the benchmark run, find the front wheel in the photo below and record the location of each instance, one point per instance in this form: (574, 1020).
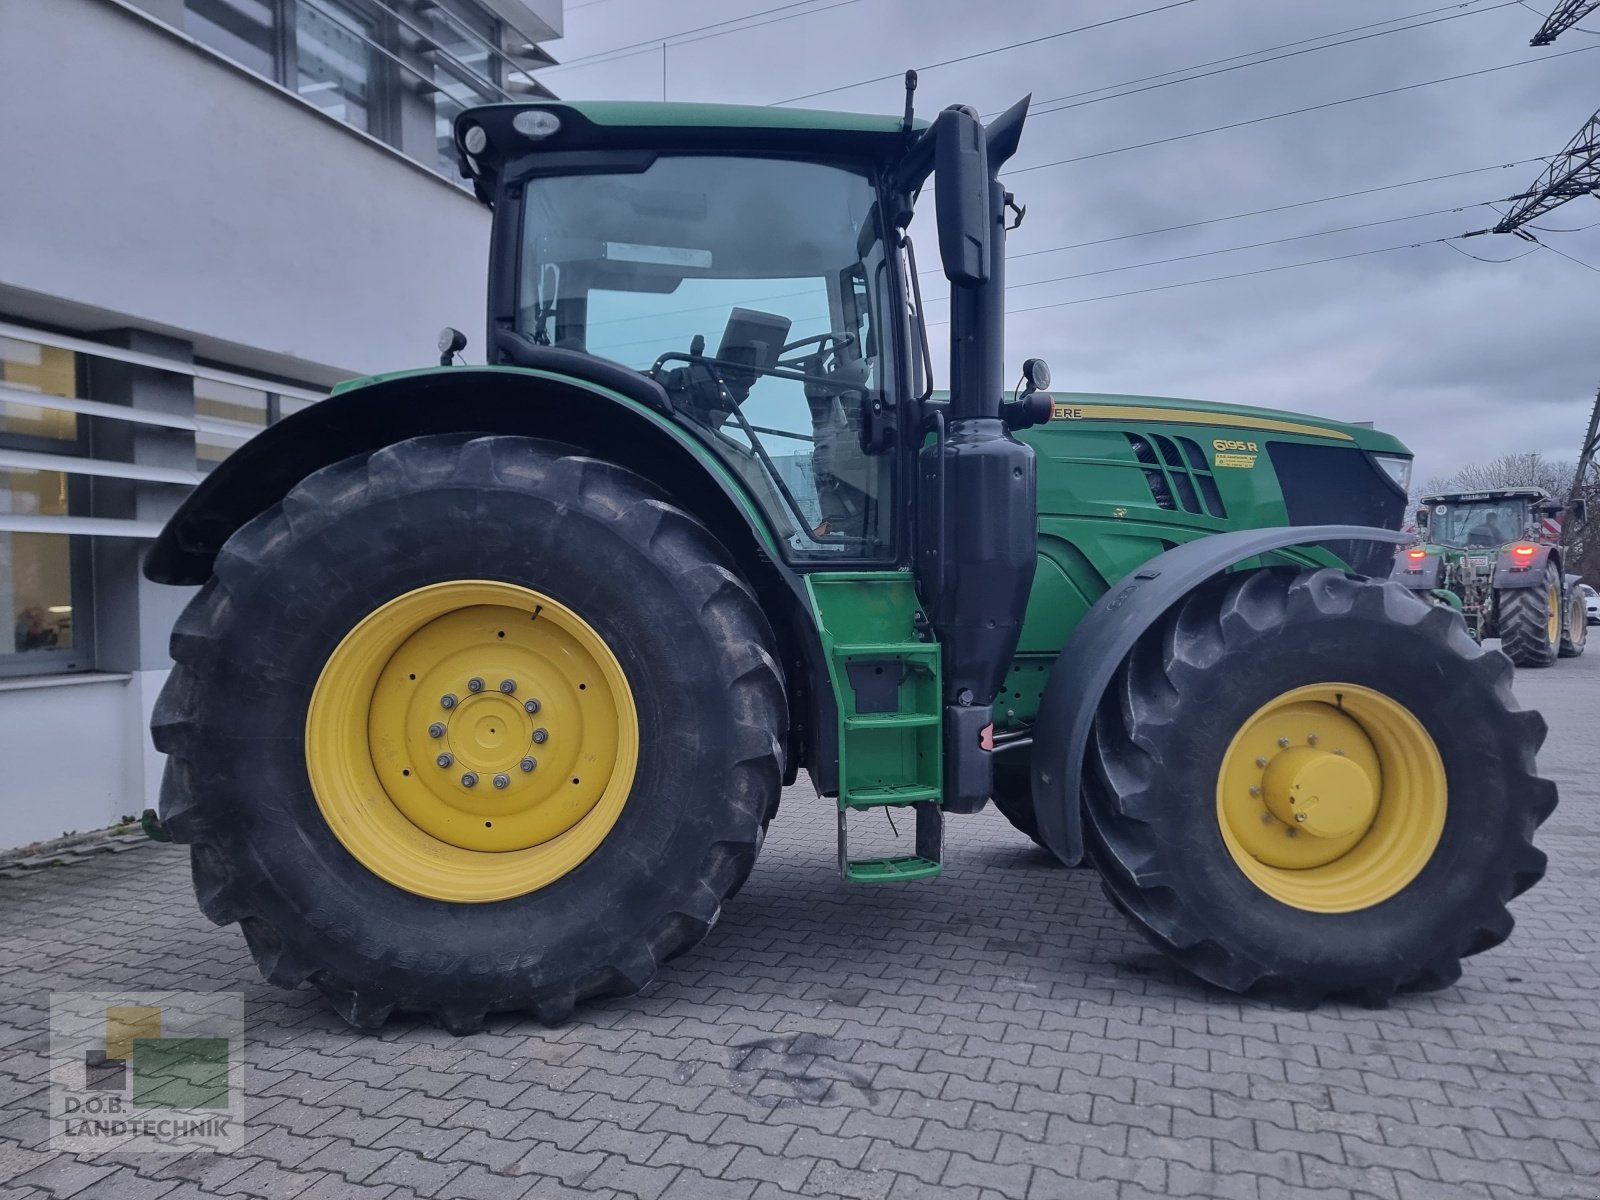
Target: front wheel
(1575, 631)
(469, 725)
(1305, 784)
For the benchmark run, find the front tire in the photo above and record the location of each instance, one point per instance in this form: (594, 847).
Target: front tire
(357, 862)
(1266, 690)
(1575, 630)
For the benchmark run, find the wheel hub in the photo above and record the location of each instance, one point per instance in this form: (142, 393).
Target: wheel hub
(1331, 797)
(1325, 794)
(472, 740)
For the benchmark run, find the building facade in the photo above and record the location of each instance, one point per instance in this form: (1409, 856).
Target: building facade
(210, 212)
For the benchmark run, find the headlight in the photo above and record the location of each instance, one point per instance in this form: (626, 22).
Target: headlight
(1397, 467)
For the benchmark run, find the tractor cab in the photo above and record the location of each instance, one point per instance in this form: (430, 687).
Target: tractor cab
(1485, 520)
(752, 264)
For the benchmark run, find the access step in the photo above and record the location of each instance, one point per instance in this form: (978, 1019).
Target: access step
(927, 862)
(884, 794)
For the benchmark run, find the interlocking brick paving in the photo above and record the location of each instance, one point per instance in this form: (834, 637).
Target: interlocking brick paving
(997, 1032)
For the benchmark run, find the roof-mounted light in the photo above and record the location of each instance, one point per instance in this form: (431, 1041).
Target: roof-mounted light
(475, 139)
(536, 124)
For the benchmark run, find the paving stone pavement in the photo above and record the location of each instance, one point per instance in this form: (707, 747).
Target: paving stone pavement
(998, 1032)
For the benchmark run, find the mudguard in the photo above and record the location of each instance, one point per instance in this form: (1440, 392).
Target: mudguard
(1418, 574)
(1103, 639)
(1513, 570)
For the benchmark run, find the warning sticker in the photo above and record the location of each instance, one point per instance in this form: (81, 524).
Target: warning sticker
(1235, 460)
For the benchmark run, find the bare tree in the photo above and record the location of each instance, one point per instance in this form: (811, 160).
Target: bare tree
(1529, 469)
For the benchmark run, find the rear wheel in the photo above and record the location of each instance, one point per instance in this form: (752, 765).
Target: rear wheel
(1575, 630)
(1530, 621)
(470, 725)
(1013, 796)
(1307, 784)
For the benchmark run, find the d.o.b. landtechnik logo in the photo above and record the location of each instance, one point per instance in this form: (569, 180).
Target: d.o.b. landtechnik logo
(146, 1072)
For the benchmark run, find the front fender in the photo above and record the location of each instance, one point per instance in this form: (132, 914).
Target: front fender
(1103, 639)
(1513, 570)
(627, 428)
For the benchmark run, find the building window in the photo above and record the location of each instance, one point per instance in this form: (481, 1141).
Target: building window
(335, 60)
(226, 417)
(245, 30)
(465, 70)
(43, 575)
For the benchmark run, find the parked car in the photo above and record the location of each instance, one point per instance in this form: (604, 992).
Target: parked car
(1591, 603)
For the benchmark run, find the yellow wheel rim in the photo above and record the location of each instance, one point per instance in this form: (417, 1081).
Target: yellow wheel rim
(1331, 798)
(1553, 621)
(472, 741)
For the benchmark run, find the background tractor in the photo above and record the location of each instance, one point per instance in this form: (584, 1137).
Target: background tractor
(529, 650)
(1496, 558)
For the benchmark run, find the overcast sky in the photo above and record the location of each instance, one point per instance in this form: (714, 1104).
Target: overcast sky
(1462, 359)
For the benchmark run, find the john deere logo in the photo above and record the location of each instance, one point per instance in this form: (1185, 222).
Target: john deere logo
(145, 1073)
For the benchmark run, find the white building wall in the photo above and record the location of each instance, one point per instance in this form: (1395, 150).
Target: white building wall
(147, 181)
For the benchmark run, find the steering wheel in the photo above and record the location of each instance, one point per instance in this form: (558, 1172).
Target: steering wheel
(838, 338)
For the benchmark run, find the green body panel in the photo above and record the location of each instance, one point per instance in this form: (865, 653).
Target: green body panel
(1099, 519)
(733, 484)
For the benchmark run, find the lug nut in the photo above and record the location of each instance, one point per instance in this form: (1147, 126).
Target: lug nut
(1312, 740)
(501, 781)
(1283, 741)
(1300, 817)
(541, 736)
(436, 730)
(474, 684)
(448, 700)
(444, 760)
(1255, 791)
(529, 764)
(531, 705)
(1261, 762)
(508, 686)
(470, 779)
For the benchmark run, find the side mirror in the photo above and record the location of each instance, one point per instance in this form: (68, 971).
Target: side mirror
(1579, 508)
(961, 189)
(1422, 518)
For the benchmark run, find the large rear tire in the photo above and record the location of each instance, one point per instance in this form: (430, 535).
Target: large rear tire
(1530, 621)
(1265, 691)
(618, 704)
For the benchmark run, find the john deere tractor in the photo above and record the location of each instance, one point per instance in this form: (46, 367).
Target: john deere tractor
(1496, 557)
(496, 673)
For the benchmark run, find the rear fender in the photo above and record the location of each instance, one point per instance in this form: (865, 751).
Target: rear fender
(1103, 639)
(1418, 574)
(1525, 571)
(616, 415)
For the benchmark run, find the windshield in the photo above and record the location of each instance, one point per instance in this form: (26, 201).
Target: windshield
(755, 290)
(1478, 524)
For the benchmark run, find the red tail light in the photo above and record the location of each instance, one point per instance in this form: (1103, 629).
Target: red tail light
(1524, 551)
(1419, 552)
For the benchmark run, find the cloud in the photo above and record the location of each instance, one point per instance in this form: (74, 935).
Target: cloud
(1461, 359)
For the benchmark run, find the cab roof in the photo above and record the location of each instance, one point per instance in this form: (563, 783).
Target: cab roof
(654, 125)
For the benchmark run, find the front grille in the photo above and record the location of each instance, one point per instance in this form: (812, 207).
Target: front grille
(1178, 474)
(1340, 485)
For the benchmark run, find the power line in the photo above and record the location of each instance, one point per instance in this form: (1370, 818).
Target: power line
(1257, 212)
(1241, 66)
(682, 37)
(1034, 41)
(1178, 258)
(1166, 287)
(1569, 258)
(1294, 112)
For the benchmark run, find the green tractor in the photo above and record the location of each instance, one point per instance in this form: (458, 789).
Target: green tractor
(496, 673)
(1496, 558)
